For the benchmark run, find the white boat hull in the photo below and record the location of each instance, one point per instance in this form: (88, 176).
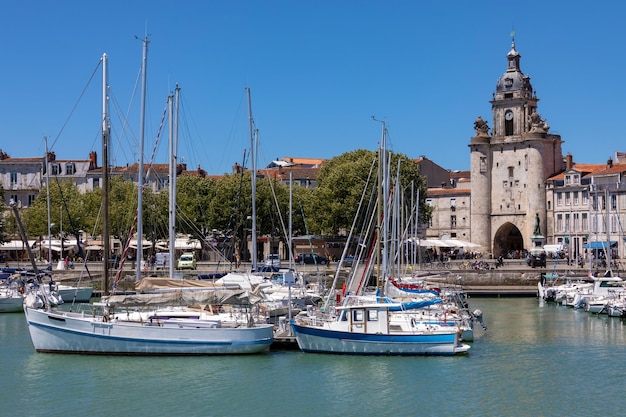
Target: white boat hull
(321, 340)
(67, 332)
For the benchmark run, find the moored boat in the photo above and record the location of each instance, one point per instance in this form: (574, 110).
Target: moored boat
(72, 332)
(368, 330)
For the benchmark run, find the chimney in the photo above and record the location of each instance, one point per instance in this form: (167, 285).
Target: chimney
(51, 156)
(569, 161)
(609, 163)
(93, 160)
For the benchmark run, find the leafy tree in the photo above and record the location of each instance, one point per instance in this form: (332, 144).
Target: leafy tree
(68, 213)
(4, 213)
(193, 197)
(342, 181)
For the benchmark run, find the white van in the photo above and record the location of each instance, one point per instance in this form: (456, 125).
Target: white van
(272, 260)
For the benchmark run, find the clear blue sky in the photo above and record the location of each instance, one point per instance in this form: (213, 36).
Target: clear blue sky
(317, 70)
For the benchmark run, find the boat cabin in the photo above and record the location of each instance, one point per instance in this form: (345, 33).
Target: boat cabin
(372, 319)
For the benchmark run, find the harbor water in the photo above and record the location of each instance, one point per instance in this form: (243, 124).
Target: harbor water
(535, 359)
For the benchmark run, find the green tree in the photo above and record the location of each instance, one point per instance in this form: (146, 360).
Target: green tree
(343, 180)
(68, 213)
(4, 213)
(193, 198)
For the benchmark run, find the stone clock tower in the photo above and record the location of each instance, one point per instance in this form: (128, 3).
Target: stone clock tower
(509, 166)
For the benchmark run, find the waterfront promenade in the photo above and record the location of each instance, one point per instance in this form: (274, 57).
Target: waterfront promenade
(515, 278)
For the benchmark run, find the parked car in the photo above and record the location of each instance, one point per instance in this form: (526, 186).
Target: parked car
(311, 258)
(536, 258)
(186, 261)
(272, 260)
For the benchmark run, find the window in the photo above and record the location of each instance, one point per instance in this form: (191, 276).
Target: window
(559, 199)
(96, 183)
(453, 222)
(568, 202)
(613, 202)
(568, 179)
(31, 199)
(372, 315)
(567, 228)
(70, 169)
(559, 222)
(508, 124)
(13, 178)
(453, 202)
(614, 224)
(575, 193)
(56, 169)
(585, 197)
(483, 164)
(576, 222)
(510, 169)
(585, 223)
(576, 179)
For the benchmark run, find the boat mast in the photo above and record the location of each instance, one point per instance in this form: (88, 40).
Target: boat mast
(144, 70)
(253, 144)
(45, 140)
(106, 243)
(381, 208)
(173, 165)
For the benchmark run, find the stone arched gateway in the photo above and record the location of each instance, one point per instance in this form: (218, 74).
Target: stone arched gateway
(508, 238)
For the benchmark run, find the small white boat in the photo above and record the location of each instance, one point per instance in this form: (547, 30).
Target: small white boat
(368, 330)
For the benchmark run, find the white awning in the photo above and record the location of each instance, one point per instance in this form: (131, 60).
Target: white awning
(16, 245)
(458, 243)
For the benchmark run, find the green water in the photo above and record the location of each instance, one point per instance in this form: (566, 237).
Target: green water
(534, 360)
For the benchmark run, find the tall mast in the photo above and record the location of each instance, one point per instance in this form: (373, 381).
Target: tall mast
(45, 140)
(253, 144)
(173, 165)
(144, 70)
(381, 208)
(106, 242)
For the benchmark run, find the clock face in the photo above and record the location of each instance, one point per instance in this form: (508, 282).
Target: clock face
(508, 115)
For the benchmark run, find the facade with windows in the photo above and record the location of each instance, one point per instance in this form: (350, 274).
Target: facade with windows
(20, 178)
(587, 208)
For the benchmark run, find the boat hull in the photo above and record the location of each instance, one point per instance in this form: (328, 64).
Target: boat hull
(321, 340)
(66, 332)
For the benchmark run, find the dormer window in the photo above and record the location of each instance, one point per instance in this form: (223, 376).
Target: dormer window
(56, 169)
(568, 179)
(70, 169)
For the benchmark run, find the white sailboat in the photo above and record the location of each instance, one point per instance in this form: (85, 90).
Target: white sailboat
(169, 331)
